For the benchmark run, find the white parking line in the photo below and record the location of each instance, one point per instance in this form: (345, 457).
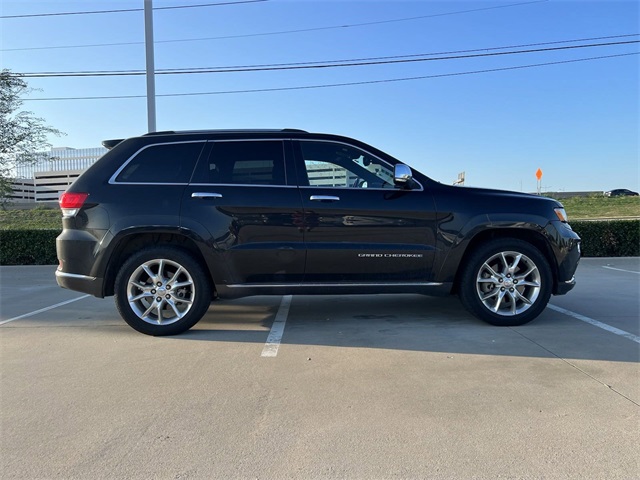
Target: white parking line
(596, 323)
(277, 329)
(620, 270)
(45, 309)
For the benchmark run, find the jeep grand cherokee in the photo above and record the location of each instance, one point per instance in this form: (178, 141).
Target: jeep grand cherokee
(166, 222)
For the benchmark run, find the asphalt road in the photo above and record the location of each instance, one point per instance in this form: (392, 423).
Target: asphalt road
(362, 387)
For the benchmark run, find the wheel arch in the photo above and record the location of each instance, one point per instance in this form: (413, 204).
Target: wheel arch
(133, 242)
(534, 237)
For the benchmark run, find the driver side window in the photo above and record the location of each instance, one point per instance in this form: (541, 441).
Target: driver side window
(327, 174)
(337, 165)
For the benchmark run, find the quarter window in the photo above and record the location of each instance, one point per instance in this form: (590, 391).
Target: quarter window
(166, 163)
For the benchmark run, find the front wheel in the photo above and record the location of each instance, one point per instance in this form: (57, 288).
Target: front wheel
(506, 282)
(162, 291)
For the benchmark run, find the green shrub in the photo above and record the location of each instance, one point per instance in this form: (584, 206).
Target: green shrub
(614, 238)
(28, 247)
(35, 219)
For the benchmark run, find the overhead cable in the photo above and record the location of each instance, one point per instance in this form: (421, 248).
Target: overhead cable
(331, 85)
(201, 70)
(450, 52)
(281, 32)
(125, 10)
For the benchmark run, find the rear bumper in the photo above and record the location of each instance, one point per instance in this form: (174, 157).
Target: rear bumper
(80, 283)
(76, 250)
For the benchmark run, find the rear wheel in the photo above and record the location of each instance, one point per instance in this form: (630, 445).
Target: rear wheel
(506, 282)
(162, 291)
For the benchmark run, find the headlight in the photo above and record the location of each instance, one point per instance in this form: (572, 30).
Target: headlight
(562, 215)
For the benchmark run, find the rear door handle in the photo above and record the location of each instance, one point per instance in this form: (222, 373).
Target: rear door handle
(205, 195)
(324, 198)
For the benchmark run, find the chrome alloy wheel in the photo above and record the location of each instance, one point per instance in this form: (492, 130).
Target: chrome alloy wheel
(160, 291)
(508, 283)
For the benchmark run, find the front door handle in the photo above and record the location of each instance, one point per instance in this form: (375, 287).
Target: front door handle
(324, 198)
(205, 195)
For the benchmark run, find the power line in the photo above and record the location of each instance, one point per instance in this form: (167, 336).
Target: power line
(201, 70)
(485, 49)
(308, 87)
(281, 32)
(451, 52)
(125, 10)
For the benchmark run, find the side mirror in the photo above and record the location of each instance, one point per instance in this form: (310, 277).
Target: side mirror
(402, 176)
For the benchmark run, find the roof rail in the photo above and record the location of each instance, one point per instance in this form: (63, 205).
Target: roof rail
(231, 130)
(164, 132)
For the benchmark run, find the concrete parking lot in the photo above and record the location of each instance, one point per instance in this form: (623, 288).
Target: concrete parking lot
(362, 387)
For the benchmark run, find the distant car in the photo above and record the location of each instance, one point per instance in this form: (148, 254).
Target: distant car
(620, 192)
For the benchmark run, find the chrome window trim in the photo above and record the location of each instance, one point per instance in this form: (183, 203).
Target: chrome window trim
(239, 185)
(112, 180)
(421, 189)
(150, 183)
(395, 189)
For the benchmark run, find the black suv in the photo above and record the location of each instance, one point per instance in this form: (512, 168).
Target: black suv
(168, 221)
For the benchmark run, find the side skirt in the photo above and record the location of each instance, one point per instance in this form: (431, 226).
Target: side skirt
(246, 289)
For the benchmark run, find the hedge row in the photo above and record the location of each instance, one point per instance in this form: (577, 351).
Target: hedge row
(615, 238)
(28, 247)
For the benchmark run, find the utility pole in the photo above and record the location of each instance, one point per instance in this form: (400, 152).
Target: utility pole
(151, 79)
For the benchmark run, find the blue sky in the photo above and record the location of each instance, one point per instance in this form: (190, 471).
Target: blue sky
(578, 122)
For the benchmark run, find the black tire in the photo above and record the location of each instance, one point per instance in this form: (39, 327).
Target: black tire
(152, 305)
(500, 299)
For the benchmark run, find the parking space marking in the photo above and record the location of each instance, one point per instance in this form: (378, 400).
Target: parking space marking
(277, 329)
(596, 323)
(620, 270)
(45, 309)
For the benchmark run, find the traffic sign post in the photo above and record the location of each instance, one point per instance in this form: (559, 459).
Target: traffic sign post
(539, 177)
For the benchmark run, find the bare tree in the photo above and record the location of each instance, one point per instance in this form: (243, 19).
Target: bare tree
(23, 136)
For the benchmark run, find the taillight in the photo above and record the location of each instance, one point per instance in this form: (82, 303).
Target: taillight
(71, 203)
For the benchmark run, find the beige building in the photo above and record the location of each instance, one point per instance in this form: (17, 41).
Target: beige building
(45, 180)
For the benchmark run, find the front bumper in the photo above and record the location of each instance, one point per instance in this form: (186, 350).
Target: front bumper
(566, 246)
(565, 287)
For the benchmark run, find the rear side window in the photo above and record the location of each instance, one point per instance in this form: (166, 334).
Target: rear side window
(245, 163)
(163, 163)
